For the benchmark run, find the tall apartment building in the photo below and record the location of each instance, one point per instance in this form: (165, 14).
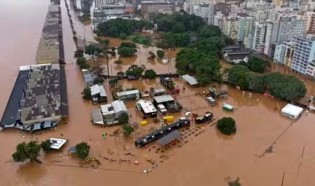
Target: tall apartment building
(284, 53)
(312, 24)
(282, 30)
(304, 55)
(256, 37)
(245, 24)
(206, 11)
(219, 20)
(231, 27)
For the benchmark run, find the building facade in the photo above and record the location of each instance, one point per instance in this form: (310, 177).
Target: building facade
(304, 55)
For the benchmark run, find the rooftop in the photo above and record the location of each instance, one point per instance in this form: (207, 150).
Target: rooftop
(57, 143)
(163, 98)
(190, 79)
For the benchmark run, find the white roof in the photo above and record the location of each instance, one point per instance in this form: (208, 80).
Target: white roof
(292, 111)
(98, 89)
(190, 79)
(227, 106)
(97, 117)
(128, 92)
(163, 98)
(107, 109)
(146, 106)
(119, 106)
(57, 143)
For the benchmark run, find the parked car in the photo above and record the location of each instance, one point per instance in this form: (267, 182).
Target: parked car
(161, 108)
(211, 101)
(205, 118)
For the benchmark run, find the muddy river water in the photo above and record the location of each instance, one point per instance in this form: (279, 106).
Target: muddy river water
(268, 149)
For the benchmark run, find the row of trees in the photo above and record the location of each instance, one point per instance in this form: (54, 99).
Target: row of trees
(137, 71)
(122, 27)
(281, 86)
(127, 49)
(31, 150)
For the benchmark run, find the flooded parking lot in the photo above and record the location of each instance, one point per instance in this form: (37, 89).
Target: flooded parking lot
(266, 149)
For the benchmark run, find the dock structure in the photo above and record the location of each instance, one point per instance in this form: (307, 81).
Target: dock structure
(39, 96)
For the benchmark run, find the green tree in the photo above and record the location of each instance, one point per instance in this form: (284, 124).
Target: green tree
(93, 50)
(98, 80)
(86, 93)
(226, 125)
(257, 64)
(82, 150)
(239, 76)
(123, 118)
(150, 74)
(81, 61)
(160, 53)
(207, 31)
(25, 151)
(127, 129)
(45, 145)
(134, 70)
(257, 83)
(126, 51)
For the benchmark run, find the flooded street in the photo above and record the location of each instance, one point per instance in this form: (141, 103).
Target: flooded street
(267, 147)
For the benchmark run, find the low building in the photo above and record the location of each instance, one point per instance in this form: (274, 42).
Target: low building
(168, 101)
(169, 138)
(157, 92)
(111, 112)
(292, 111)
(98, 94)
(190, 80)
(146, 108)
(236, 54)
(37, 100)
(128, 95)
(88, 77)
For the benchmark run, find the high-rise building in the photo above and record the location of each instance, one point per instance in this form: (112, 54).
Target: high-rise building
(304, 55)
(284, 53)
(312, 24)
(245, 24)
(100, 3)
(256, 37)
(206, 11)
(282, 30)
(231, 27)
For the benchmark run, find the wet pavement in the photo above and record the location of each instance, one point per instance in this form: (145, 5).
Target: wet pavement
(267, 147)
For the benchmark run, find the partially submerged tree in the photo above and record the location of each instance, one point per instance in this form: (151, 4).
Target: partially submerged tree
(45, 145)
(86, 93)
(123, 118)
(150, 74)
(226, 126)
(127, 129)
(134, 70)
(93, 50)
(25, 151)
(98, 80)
(118, 62)
(82, 150)
(160, 53)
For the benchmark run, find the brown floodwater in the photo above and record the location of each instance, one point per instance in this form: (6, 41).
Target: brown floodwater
(202, 157)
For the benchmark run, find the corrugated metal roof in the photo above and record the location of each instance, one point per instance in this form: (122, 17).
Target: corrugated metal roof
(163, 98)
(190, 79)
(169, 138)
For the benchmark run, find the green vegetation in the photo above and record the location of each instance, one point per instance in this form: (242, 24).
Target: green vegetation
(26, 151)
(45, 145)
(134, 70)
(226, 126)
(160, 53)
(144, 40)
(127, 49)
(122, 27)
(123, 118)
(86, 93)
(98, 80)
(278, 85)
(150, 74)
(128, 129)
(82, 150)
(82, 63)
(93, 50)
(257, 64)
(206, 67)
